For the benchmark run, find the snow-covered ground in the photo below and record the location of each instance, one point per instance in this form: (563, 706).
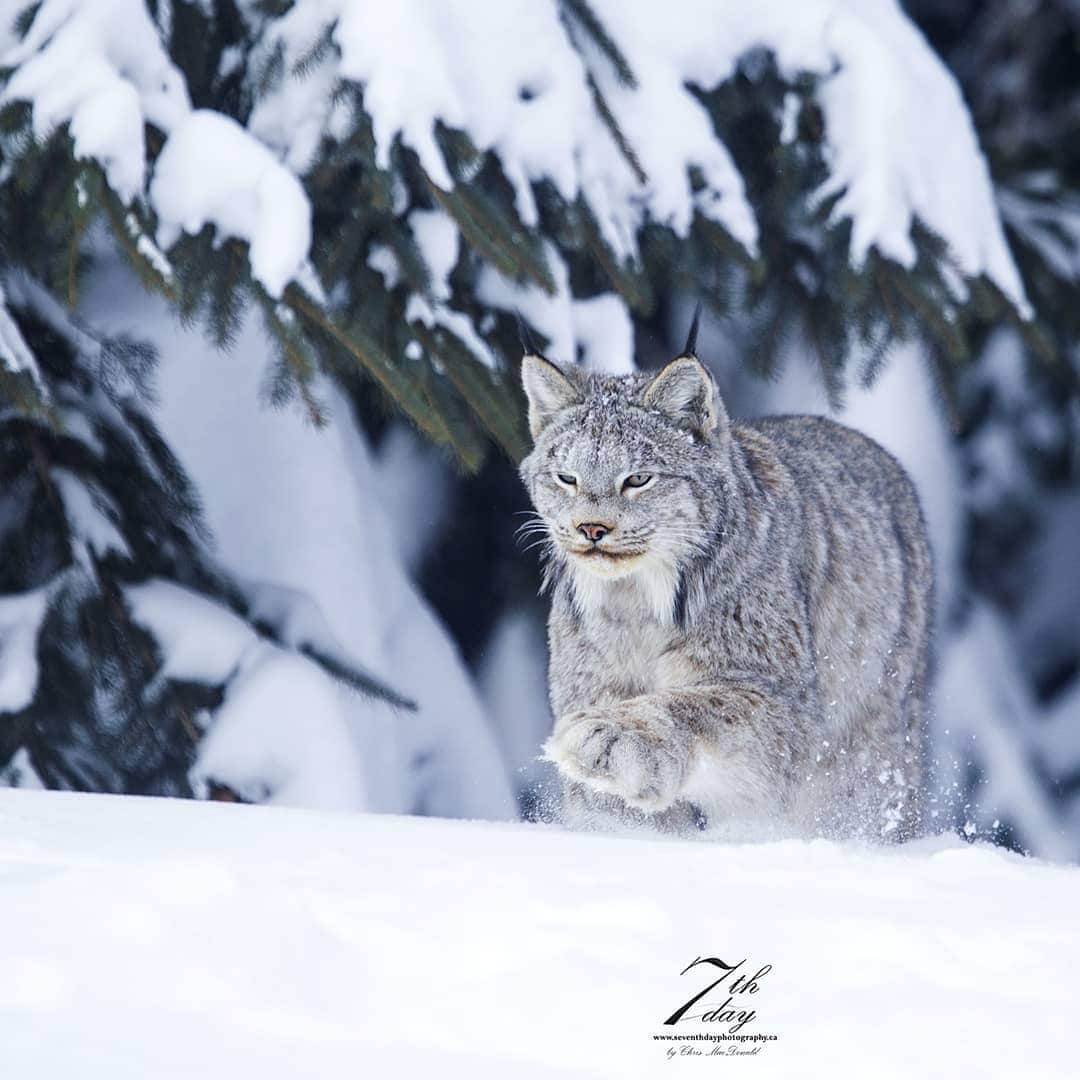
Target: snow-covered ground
(156, 938)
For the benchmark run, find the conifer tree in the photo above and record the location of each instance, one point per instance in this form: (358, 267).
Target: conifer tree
(1018, 419)
(119, 637)
(423, 239)
(387, 186)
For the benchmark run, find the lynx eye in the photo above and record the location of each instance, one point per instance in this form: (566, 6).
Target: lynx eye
(566, 479)
(637, 480)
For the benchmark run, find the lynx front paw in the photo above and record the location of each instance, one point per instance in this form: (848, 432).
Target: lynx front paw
(614, 752)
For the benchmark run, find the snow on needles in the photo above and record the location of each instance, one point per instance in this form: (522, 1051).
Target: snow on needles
(508, 74)
(281, 733)
(201, 641)
(100, 67)
(212, 170)
(436, 235)
(15, 354)
(600, 326)
(20, 620)
(899, 139)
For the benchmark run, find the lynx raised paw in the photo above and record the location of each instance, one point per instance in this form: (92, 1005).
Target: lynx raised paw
(618, 755)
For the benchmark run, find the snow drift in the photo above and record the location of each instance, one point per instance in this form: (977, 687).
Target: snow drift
(172, 939)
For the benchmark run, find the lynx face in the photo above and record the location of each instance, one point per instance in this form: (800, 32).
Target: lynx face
(623, 471)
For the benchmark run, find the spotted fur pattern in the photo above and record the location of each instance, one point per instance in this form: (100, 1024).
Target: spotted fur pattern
(749, 639)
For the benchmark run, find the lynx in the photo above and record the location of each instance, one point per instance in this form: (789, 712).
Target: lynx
(740, 612)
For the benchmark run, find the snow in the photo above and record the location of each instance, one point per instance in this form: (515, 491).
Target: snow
(1050, 224)
(665, 123)
(903, 145)
(147, 248)
(382, 259)
(15, 354)
(436, 235)
(255, 198)
(282, 737)
(100, 66)
(298, 509)
(20, 620)
(1058, 737)
(606, 334)
(77, 426)
(294, 617)
(986, 711)
(513, 681)
(200, 640)
(900, 140)
(551, 314)
(20, 772)
(88, 515)
(170, 939)
(600, 327)
(76, 69)
(281, 734)
(414, 487)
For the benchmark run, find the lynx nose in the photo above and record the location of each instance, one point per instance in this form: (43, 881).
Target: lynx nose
(593, 530)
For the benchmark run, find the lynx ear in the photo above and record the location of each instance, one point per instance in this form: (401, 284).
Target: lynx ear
(548, 390)
(685, 391)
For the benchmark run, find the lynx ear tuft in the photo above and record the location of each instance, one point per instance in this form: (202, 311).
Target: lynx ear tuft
(685, 392)
(528, 345)
(690, 348)
(548, 390)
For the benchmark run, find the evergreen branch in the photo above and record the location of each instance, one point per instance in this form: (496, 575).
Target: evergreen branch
(147, 273)
(356, 678)
(617, 133)
(226, 295)
(271, 71)
(634, 287)
(458, 432)
(77, 230)
(881, 282)
(22, 22)
(408, 396)
(831, 372)
(488, 232)
(877, 348)
(941, 377)
(475, 384)
(22, 393)
(410, 258)
(297, 363)
(943, 331)
(727, 247)
(580, 11)
(316, 54)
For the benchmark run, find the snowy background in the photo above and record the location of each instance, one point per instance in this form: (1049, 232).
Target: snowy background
(384, 533)
(259, 418)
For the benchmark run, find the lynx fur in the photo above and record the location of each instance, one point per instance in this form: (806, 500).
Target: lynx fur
(740, 612)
